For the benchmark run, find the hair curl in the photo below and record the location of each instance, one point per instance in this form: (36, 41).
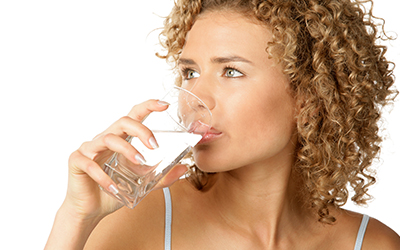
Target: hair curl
(339, 77)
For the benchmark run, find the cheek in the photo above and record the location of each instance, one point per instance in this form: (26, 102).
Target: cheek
(269, 113)
(264, 125)
(253, 131)
(266, 128)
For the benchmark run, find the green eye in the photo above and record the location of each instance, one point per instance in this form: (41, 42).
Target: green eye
(232, 73)
(190, 74)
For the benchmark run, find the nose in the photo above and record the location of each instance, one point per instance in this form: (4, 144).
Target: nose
(203, 89)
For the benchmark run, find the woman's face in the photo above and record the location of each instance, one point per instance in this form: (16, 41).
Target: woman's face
(224, 62)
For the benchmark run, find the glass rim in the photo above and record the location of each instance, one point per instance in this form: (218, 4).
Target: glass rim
(198, 98)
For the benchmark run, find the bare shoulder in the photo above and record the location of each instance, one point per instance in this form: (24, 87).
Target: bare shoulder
(377, 234)
(380, 236)
(143, 226)
(132, 228)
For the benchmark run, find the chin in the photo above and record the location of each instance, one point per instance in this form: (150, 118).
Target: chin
(205, 160)
(206, 166)
(211, 162)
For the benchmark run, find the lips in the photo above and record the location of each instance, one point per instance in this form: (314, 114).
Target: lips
(211, 135)
(198, 127)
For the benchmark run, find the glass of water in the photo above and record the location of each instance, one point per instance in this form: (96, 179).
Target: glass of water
(176, 130)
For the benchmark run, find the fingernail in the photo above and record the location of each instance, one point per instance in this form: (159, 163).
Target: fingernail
(113, 189)
(153, 143)
(162, 103)
(140, 159)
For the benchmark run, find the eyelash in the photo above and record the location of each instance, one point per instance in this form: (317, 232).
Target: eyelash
(186, 70)
(228, 67)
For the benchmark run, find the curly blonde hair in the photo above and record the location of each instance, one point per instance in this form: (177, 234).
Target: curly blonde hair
(339, 77)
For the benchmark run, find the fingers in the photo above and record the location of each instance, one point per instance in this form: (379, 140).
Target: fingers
(128, 126)
(113, 143)
(174, 174)
(80, 163)
(139, 112)
(91, 155)
(131, 124)
(114, 139)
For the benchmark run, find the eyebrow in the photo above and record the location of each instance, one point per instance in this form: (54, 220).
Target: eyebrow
(218, 60)
(230, 59)
(185, 61)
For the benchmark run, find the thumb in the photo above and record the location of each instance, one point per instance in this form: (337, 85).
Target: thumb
(173, 175)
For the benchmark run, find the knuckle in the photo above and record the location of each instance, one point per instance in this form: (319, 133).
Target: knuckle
(144, 134)
(74, 155)
(88, 166)
(135, 127)
(134, 112)
(107, 138)
(128, 148)
(125, 145)
(139, 111)
(84, 146)
(136, 117)
(135, 107)
(125, 120)
(144, 131)
(148, 134)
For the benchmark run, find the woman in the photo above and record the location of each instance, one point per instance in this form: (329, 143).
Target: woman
(295, 89)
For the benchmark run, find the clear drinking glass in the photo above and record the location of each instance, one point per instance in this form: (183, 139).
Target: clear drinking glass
(176, 130)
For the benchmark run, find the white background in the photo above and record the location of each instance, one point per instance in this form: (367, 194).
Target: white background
(68, 69)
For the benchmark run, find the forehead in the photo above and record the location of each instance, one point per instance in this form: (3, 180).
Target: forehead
(226, 32)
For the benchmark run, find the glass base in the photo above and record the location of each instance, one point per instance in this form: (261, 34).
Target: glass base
(133, 188)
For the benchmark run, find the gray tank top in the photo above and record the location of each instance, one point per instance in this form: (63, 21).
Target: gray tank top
(168, 224)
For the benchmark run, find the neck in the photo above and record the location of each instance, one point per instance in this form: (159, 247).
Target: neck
(262, 200)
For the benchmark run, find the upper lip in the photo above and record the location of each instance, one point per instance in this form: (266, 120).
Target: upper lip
(210, 135)
(212, 130)
(199, 127)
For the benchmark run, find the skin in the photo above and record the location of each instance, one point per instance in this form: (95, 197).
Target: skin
(254, 201)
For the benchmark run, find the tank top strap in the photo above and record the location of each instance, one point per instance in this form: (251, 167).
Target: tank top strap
(168, 219)
(361, 232)
(168, 224)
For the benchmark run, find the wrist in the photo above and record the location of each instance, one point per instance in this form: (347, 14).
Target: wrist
(77, 219)
(77, 216)
(71, 229)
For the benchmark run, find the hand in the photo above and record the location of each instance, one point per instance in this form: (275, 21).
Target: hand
(84, 198)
